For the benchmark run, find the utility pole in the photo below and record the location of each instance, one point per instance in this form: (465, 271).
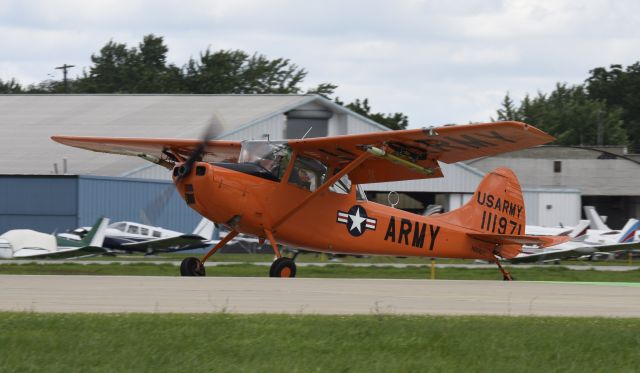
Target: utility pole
(64, 69)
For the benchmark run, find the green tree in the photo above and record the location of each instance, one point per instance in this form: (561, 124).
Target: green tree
(395, 121)
(10, 86)
(234, 71)
(570, 115)
(118, 69)
(619, 88)
(508, 111)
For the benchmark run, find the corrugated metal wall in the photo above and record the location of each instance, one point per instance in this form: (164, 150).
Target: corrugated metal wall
(147, 201)
(273, 126)
(44, 203)
(57, 203)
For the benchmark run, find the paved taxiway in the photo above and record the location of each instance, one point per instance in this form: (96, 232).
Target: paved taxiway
(317, 296)
(579, 267)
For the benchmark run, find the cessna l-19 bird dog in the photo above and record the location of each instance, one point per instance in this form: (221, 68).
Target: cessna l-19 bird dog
(305, 193)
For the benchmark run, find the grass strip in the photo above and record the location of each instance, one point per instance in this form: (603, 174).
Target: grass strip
(307, 343)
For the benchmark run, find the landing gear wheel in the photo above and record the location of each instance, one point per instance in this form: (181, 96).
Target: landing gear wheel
(192, 267)
(283, 267)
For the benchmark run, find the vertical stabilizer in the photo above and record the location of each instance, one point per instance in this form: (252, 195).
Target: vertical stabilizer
(594, 219)
(580, 229)
(205, 229)
(496, 206)
(95, 236)
(629, 231)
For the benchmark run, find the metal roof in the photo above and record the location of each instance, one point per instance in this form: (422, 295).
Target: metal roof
(28, 121)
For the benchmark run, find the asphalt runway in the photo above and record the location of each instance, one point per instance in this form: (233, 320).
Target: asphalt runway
(109, 294)
(577, 267)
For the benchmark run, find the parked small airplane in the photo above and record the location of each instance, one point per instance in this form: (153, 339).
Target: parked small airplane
(27, 243)
(126, 236)
(304, 193)
(592, 244)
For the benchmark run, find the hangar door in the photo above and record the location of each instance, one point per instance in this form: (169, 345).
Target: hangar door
(301, 121)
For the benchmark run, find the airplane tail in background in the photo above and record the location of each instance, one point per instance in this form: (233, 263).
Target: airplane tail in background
(496, 214)
(205, 229)
(95, 236)
(628, 232)
(595, 220)
(580, 229)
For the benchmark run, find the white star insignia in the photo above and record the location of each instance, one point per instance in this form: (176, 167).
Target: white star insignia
(356, 221)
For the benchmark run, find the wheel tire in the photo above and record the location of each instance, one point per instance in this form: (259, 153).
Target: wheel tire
(192, 267)
(283, 267)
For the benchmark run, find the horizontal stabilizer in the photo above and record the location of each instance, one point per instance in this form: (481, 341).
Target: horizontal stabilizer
(506, 239)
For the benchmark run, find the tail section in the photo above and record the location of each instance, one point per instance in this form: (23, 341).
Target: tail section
(580, 229)
(95, 236)
(496, 207)
(496, 215)
(205, 229)
(596, 221)
(629, 231)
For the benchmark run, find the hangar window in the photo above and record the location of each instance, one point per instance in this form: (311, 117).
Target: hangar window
(557, 166)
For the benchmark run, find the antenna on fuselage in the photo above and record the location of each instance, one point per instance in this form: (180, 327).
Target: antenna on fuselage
(306, 133)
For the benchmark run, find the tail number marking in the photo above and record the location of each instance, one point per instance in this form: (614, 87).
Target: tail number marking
(491, 221)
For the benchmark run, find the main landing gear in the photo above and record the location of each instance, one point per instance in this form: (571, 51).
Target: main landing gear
(281, 267)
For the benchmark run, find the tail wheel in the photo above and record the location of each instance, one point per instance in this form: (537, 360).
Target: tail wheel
(283, 267)
(192, 267)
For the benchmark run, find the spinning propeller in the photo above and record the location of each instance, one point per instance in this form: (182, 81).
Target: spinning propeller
(212, 130)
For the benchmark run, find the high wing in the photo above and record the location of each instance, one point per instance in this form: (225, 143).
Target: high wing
(423, 147)
(418, 149)
(154, 149)
(183, 242)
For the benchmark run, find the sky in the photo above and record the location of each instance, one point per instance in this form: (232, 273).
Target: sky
(439, 62)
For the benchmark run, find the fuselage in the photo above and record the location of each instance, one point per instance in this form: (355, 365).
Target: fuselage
(330, 222)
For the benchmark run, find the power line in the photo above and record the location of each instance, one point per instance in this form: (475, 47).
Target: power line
(64, 69)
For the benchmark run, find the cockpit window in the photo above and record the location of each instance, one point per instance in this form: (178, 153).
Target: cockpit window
(119, 226)
(308, 173)
(269, 157)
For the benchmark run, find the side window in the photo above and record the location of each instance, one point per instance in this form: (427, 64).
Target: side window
(132, 229)
(308, 173)
(342, 186)
(144, 231)
(119, 226)
(157, 234)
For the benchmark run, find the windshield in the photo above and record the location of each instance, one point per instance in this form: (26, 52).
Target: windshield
(272, 157)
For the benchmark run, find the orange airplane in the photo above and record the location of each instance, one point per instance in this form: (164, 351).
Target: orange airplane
(305, 193)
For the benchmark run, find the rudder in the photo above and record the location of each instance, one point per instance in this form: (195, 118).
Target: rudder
(496, 207)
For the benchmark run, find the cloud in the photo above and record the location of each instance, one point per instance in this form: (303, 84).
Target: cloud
(438, 61)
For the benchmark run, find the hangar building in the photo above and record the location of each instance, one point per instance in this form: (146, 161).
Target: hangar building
(606, 177)
(32, 163)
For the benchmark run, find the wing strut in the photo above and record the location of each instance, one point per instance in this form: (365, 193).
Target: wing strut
(355, 163)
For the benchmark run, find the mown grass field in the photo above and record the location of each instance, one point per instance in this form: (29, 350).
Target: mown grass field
(280, 343)
(550, 273)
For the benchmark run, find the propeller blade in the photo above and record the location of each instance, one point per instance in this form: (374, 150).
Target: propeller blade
(212, 130)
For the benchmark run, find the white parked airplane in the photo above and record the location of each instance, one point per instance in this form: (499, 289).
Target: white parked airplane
(126, 236)
(592, 244)
(27, 243)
